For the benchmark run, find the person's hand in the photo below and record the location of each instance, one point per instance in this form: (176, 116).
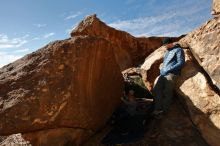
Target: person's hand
(162, 72)
(150, 87)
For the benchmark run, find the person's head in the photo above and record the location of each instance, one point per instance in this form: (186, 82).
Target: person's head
(167, 42)
(131, 95)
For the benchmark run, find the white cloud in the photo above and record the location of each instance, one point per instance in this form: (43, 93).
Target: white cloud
(6, 42)
(6, 58)
(40, 25)
(49, 35)
(140, 22)
(35, 38)
(69, 30)
(146, 25)
(173, 21)
(21, 51)
(73, 16)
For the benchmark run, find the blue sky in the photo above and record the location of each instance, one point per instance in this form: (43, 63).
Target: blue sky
(29, 25)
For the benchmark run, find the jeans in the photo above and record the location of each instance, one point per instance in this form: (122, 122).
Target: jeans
(163, 91)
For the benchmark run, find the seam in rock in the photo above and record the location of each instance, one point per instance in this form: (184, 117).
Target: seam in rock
(209, 80)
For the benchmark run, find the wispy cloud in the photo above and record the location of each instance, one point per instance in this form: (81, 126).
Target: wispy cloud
(73, 16)
(48, 35)
(72, 28)
(6, 42)
(21, 50)
(7, 58)
(138, 23)
(35, 38)
(173, 22)
(146, 25)
(68, 30)
(40, 25)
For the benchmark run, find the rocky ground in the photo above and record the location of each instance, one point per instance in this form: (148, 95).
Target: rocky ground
(173, 129)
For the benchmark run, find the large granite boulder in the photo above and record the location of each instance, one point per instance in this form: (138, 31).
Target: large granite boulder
(204, 43)
(216, 7)
(200, 100)
(67, 87)
(129, 50)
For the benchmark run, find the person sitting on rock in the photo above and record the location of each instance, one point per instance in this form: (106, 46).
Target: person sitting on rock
(136, 106)
(174, 60)
(131, 103)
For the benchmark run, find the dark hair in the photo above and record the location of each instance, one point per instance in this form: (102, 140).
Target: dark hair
(167, 41)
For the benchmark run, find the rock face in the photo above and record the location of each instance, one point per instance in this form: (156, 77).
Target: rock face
(216, 7)
(204, 43)
(129, 51)
(202, 103)
(74, 84)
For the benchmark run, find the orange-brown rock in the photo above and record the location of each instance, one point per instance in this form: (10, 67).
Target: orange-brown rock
(129, 50)
(54, 137)
(74, 84)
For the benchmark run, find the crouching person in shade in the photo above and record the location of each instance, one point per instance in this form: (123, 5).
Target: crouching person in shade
(131, 103)
(174, 60)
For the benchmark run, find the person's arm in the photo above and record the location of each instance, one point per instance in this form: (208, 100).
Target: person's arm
(125, 101)
(180, 61)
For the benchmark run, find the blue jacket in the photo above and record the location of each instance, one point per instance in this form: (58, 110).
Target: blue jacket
(174, 60)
